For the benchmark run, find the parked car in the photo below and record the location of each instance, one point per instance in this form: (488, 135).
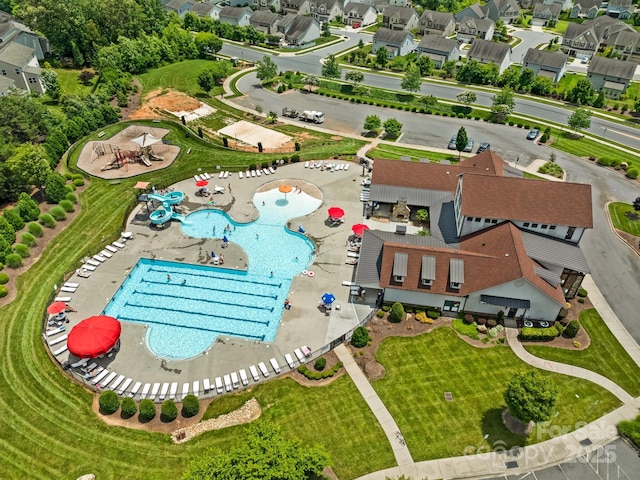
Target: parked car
(469, 146)
(452, 142)
(483, 146)
(533, 134)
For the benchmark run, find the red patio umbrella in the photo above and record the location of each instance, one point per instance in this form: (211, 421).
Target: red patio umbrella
(359, 229)
(56, 308)
(94, 336)
(336, 212)
(202, 183)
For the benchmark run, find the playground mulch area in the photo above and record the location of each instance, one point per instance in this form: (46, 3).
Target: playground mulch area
(93, 163)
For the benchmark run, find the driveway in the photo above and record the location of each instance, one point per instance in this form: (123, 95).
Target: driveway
(530, 39)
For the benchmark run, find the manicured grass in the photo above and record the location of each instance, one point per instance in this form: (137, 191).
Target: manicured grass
(604, 356)
(552, 169)
(584, 147)
(469, 330)
(181, 76)
(438, 362)
(70, 84)
(395, 153)
(617, 212)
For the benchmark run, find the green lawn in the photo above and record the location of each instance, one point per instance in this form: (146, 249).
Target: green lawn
(395, 153)
(618, 211)
(70, 84)
(181, 76)
(605, 355)
(438, 362)
(584, 147)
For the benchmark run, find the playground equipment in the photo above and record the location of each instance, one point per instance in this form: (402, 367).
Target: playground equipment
(166, 212)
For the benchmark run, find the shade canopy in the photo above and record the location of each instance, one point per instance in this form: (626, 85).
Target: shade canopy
(94, 336)
(359, 229)
(285, 188)
(141, 185)
(56, 307)
(328, 298)
(336, 212)
(146, 140)
(202, 183)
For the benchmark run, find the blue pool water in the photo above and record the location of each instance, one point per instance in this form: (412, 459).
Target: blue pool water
(184, 319)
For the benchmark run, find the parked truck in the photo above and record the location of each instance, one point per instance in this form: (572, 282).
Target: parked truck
(312, 116)
(289, 112)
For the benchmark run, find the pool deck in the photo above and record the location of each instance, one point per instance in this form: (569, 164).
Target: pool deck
(304, 324)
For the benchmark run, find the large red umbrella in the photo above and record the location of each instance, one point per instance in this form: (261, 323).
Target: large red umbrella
(93, 336)
(202, 183)
(359, 229)
(56, 308)
(336, 212)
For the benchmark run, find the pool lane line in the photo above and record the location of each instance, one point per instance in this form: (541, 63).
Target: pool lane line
(221, 332)
(202, 314)
(254, 307)
(211, 289)
(229, 278)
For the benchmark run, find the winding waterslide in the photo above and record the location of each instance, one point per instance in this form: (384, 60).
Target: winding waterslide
(165, 213)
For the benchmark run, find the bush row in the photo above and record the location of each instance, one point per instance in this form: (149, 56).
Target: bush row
(311, 375)
(545, 334)
(109, 403)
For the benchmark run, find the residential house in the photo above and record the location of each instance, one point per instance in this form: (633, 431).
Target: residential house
(400, 18)
(299, 30)
(546, 64)
(20, 65)
(500, 244)
(207, 9)
(439, 49)
(14, 31)
(326, 10)
(543, 14)
(472, 28)
(6, 85)
(622, 9)
(265, 21)
(295, 7)
(359, 15)
(610, 75)
(564, 4)
(240, 16)
(583, 40)
(580, 40)
(180, 7)
(397, 43)
(506, 11)
(585, 9)
(486, 52)
(437, 23)
(472, 11)
(273, 5)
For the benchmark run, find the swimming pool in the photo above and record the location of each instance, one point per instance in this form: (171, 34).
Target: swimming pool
(186, 307)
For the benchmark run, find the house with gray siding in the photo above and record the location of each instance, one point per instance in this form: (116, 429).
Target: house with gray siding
(546, 13)
(585, 9)
(580, 40)
(295, 7)
(437, 23)
(18, 64)
(486, 52)
(13, 31)
(471, 28)
(610, 75)
(506, 11)
(622, 9)
(267, 5)
(476, 11)
(265, 21)
(359, 15)
(397, 43)
(179, 7)
(207, 9)
(552, 65)
(439, 49)
(240, 16)
(400, 18)
(326, 10)
(299, 30)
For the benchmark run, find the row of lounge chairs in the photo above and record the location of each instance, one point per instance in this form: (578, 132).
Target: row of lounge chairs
(328, 166)
(257, 173)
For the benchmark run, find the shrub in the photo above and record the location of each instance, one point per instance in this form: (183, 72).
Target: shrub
(582, 292)
(386, 308)
(128, 408)
(68, 176)
(493, 332)
(190, 406)
(581, 300)
(109, 402)
(78, 182)
(21, 250)
(47, 220)
(559, 327)
(632, 173)
(147, 410)
(422, 318)
(320, 363)
(13, 260)
(3, 291)
(28, 239)
(168, 411)
(13, 217)
(76, 176)
(481, 321)
(35, 229)
(605, 162)
(70, 187)
(7, 231)
(58, 213)
(71, 197)
(545, 334)
(67, 205)
(433, 314)
(576, 344)
(468, 319)
(27, 208)
(4, 278)
(544, 138)
(380, 314)
(491, 323)
(360, 337)
(572, 329)
(397, 313)
(295, 158)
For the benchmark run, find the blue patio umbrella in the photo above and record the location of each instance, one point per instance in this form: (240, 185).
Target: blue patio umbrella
(328, 298)
(224, 239)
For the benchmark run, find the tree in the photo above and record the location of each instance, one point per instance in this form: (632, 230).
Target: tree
(531, 397)
(27, 207)
(461, 141)
(392, 127)
(354, 76)
(527, 77)
(382, 57)
(266, 69)
(86, 76)
(582, 93)
(636, 204)
(412, 80)
(600, 100)
(448, 68)
(205, 81)
(503, 104)
(467, 97)
(425, 64)
(51, 83)
(207, 43)
(542, 86)
(372, 123)
(310, 81)
(264, 454)
(580, 119)
(55, 187)
(510, 77)
(29, 164)
(331, 67)
(326, 32)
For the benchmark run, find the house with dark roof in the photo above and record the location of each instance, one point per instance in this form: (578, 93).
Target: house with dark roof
(273, 5)
(580, 40)
(585, 9)
(500, 245)
(552, 65)
(506, 11)
(397, 43)
(437, 23)
(610, 75)
(20, 66)
(622, 9)
(13, 31)
(207, 9)
(240, 16)
(476, 11)
(265, 21)
(295, 7)
(180, 7)
(6, 85)
(546, 13)
(484, 51)
(583, 40)
(299, 30)
(400, 18)
(439, 49)
(326, 10)
(471, 28)
(359, 15)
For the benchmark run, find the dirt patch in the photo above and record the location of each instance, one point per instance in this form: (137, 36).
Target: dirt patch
(156, 102)
(134, 101)
(631, 240)
(632, 216)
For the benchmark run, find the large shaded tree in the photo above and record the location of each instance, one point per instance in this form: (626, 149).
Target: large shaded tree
(531, 397)
(29, 165)
(582, 92)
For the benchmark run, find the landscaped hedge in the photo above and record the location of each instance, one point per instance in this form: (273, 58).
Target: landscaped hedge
(360, 337)
(35, 229)
(3, 291)
(58, 213)
(109, 402)
(28, 239)
(582, 292)
(128, 408)
(67, 205)
(572, 329)
(168, 411)
(147, 410)
(311, 375)
(545, 334)
(397, 313)
(21, 250)
(4, 278)
(13, 260)
(320, 364)
(433, 314)
(47, 220)
(190, 406)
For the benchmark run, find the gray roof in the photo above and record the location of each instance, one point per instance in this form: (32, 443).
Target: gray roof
(264, 17)
(413, 196)
(552, 278)
(5, 84)
(404, 13)
(619, 3)
(234, 12)
(299, 26)
(610, 67)
(390, 36)
(177, 4)
(456, 270)
(544, 58)
(505, 301)
(428, 271)
(574, 30)
(438, 44)
(482, 24)
(555, 9)
(400, 261)
(609, 85)
(443, 222)
(16, 54)
(473, 11)
(549, 252)
(359, 8)
(286, 21)
(486, 51)
(441, 18)
(202, 8)
(587, 4)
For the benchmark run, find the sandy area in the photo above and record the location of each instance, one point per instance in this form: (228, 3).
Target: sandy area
(251, 134)
(159, 100)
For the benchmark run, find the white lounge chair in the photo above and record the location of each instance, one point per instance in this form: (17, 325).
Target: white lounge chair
(124, 386)
(145, 391)
(299, 355)
(240, 174)
(71, 284)
(205, 176)
(62, 299)
(274, 365)
(289, 359)
(164, 390)
(353, 254)
(68, 290)
(80, 363)
(173, 391)
(226, 174)
(185, 390)
(263, 369)
(62, 349)
(106, 254)
(55, 341)
(253, 173)
(254, 373)
(196, 388)
(154, 391)
(266, 171)
(259, 173)
(107, 380)
(227, 383)
(93, 262)
(272, 170)
(135, 389)
(206, 386)
(197, 178)
(89, 368)
(118, 244)
(234, 380)
(117, 382)
(247, 174)
(88, 267)
(221, 174)
(243, 377)
(100, 258)
(219, 387)
(346, 167)
(55, 331)
(111, 248)
(306, 164)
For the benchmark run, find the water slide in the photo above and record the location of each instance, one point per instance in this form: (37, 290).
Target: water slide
(161, 216)
(165, 213)
(171, 198)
